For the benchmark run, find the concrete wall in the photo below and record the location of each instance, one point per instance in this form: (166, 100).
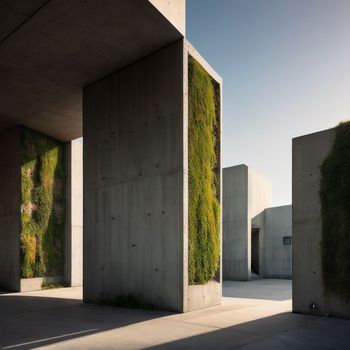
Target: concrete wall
(277, 257)
(133, 182)
(309, 151)
(136, 185)
(259, 198)
(10, 209)
(74, 217)
(245, 196)
(174, 11)
(235, 223)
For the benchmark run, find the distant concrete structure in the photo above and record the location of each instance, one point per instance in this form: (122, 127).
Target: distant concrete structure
(256, 237)
(309, 151)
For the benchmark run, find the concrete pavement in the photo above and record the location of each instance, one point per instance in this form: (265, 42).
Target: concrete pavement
(253, 315)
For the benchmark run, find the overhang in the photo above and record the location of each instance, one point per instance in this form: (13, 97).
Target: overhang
(49, 50)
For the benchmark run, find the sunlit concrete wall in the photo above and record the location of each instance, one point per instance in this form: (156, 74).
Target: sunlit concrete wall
(74, 218)
(309, 296)
(277, 256)
(245, 196)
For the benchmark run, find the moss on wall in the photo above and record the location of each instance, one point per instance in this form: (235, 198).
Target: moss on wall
(204, 174)
(43, 205)
(335, 212)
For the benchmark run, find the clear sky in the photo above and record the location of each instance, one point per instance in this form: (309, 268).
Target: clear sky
(286, 71)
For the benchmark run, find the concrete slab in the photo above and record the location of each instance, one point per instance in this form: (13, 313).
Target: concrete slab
(49, 50)
(57, 319)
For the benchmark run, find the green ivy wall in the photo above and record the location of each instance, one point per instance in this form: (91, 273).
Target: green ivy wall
(204, 174)
(335, 213)
(43, 205)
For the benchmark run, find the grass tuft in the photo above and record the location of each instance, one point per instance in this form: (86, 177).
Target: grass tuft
(204, 175)
(335, 212)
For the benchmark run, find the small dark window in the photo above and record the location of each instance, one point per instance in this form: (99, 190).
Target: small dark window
(287, 240)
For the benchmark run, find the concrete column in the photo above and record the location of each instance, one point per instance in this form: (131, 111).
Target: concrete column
(10, 209)
(309, 296)
(245, 196)
(74, 217)
(135, 185)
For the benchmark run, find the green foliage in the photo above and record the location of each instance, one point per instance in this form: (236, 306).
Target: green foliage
(335, 211)
(53, 285)
(128, 301)
(43, 205)
(204, 175)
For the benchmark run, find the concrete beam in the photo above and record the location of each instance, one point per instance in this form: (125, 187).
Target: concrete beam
(50, 50)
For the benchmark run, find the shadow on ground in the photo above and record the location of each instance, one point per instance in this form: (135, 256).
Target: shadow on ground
(27, 322)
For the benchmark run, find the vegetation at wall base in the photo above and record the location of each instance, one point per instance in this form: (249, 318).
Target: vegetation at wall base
(128, 301)
(335, 212)
(53, 285)
(43, 205)
(204, 174)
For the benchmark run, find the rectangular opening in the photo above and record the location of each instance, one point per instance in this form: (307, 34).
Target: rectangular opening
(255, 251)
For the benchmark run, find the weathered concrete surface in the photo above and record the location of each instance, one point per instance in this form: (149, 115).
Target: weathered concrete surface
(174, 11)
(235, 223)
(309, 151)
(245, 196)
(133, 182)
(10, 209)
(277, 257)
(74, 217)
(253, 316)
(35, 284)
(136, 187)
(259, 198)
(49, 50)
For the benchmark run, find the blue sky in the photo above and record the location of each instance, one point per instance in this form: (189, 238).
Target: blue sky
(286, 71)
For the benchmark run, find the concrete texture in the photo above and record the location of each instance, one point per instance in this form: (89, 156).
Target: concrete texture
(74, 217)
(174, 11)
(309, 151)
(135, 184)
(277, 257)
(50, 50)
(35, 284)
(245, 196)
(57, 319)
(10, 209)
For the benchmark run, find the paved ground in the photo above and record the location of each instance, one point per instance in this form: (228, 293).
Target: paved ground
(253, 315)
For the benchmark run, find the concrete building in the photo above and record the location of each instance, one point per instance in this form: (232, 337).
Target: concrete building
(309, 294)
(116, 73)
(256, 237)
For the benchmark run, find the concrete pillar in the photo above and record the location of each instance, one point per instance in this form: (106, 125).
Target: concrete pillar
(135, 184)
(245, 196)
(10, 209)
(74, 217)
(309, 295)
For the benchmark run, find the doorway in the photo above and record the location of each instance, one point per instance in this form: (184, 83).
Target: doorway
(255, 251)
